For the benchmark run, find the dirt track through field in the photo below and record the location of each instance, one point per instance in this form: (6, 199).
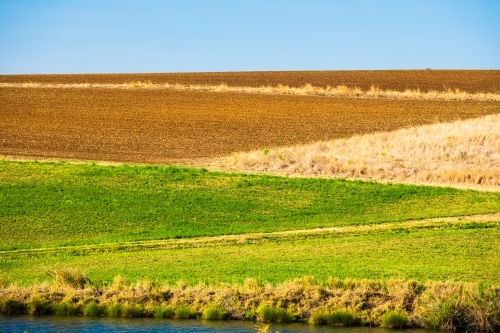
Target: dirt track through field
(153, 126)
(472, 221)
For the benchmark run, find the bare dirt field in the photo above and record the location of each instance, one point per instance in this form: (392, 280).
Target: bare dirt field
(165, 126)
(471, 81)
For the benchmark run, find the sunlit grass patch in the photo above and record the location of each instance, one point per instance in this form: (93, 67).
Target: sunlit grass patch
(395, 319)
(214, 312)
(462, 254)
(274, 314)
(56, 204)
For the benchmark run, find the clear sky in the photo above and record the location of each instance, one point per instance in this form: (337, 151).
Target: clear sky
(113, 36)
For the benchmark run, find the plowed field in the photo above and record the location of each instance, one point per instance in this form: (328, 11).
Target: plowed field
(467, 80)
(172, 126)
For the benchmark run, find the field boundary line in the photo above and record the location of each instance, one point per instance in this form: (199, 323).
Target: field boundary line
(221, 164)
(306, 90)
(440, 223)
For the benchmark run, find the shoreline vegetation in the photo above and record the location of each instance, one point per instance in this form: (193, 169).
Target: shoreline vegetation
(279, 89)
(392, 303)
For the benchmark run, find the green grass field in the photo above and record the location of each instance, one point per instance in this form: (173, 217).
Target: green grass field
(49, 205)
(54, 204)
(460, 254)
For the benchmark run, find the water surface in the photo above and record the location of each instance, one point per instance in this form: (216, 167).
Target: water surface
(60, 324)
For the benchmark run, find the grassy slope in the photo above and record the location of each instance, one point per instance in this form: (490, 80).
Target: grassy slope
(49, 204)
(44, 204)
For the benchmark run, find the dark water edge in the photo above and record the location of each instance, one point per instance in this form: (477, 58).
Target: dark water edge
(60, 324)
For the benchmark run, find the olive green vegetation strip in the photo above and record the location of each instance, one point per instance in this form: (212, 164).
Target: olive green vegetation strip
(463, 222)
(51, 205)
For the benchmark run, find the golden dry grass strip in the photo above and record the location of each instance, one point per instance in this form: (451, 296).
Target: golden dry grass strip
(462, 152)
(280, 89)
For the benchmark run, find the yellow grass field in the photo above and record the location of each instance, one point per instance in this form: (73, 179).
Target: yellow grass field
(461, 152)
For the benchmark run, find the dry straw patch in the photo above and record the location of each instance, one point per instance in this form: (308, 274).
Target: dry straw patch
(462, 152)
(280, 89)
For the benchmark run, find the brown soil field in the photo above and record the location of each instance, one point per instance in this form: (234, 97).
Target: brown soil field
(471, 81)
(165, 126)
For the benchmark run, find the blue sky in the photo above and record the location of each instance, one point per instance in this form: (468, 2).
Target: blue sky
(113, 36)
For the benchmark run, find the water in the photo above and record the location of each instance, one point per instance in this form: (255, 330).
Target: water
(60, 324)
